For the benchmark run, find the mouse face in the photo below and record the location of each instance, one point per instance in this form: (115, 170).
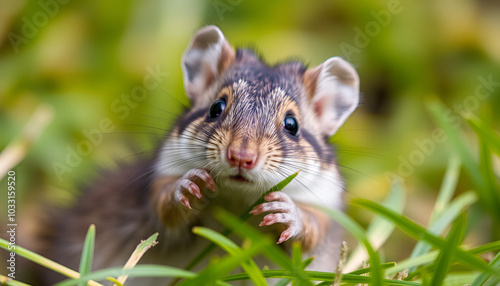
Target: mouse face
(258, 137)
(251, 124)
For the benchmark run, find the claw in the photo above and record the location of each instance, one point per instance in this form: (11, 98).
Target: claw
(283, 210)
(195, 190)
(210, 183)
(271, 196)
(257, 210)
(193, 182)
(285, 235)
(185, 201)
(269, 219)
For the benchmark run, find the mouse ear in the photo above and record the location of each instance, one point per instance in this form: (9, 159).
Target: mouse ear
(333, 88)
(206, 57)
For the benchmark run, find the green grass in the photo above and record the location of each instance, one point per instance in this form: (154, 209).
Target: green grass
(88, 55)
(438, 258)
(87, 253)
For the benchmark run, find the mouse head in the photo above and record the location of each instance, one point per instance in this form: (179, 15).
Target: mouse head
(251, 123)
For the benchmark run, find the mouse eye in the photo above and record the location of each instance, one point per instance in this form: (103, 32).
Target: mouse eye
(291, 125)
(217, 108)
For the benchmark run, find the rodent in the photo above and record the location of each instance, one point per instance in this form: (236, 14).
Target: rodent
(249, 126)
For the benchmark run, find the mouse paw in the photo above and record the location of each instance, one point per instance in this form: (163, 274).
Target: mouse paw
(282, 210)
(192, 183)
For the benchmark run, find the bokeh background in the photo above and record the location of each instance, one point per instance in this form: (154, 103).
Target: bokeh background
(80, 58)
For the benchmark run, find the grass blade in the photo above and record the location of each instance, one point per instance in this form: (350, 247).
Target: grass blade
(431, 256)
(452, 211)
(326, 277)
(483, 278)
(492, 246)
(296, 257)
(487, 195)
(438, 111)
(272, 251)
(7, 281)
(423, 259)
(486, 166)
(139, 251)
(138, 271)
(15, 152)
(369, 269)
(447, 189)
(304, 264)
(459, 279)
(215, 271)
(484, 132)
(282, 282)
(47, 263)
(443, 221)
(488, 140)
(225, 243)
(297, 254)
(87, 253)
(246, 214)
(445, 257)
(418, 232)
(379, 229)
(346, 222)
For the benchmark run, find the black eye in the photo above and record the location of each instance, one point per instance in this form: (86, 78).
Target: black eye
(217, 108)
(291, 125)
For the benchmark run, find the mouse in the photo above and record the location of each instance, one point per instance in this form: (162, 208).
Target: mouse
(250, 124)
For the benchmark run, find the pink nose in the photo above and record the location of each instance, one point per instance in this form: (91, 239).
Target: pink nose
(241, 158)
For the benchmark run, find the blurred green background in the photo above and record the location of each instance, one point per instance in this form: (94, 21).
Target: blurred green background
(81, 57)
